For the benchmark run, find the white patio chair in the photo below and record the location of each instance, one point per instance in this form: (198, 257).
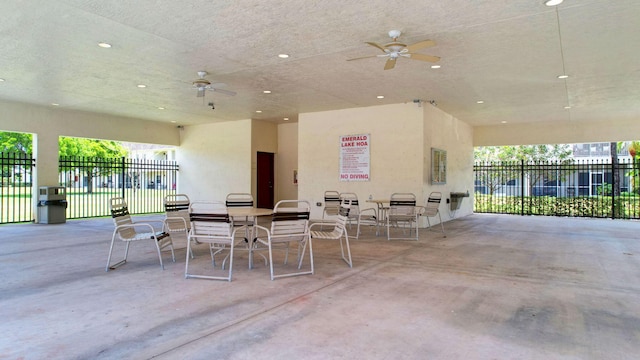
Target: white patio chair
(331, 204)
(367, 217)
(128, 231)
(211, 224)
(403, 214)
(176, 210)
(289, 225)
(432, 209)
(339, 231)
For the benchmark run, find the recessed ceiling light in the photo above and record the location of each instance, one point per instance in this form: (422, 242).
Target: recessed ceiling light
(267, 91)
(160, 108)
(503, 122)
(563, 76)
(283, 56)
(55, 104)
(1, 79)
(567, 107)
(285, 119)
(480, 102)
(173, 121)
(142, 86)
(104, 45)
(258, 111)
(380, 96)
(553, 2)
(435, 66)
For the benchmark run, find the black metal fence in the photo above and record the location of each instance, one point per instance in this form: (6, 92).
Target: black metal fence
(16, 196)
(581, 188)
(92, 182)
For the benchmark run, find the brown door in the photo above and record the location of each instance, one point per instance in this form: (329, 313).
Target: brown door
(265, 170)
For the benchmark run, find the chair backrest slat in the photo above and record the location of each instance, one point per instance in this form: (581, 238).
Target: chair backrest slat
(239, 200)
(176, 207)
(402, 203)
(231, 203)
(120, 211)
(289, 216)
(211, 217)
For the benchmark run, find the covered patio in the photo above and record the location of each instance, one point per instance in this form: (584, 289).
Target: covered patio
(497, 287)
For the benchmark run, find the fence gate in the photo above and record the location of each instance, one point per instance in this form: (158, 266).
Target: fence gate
(92, 182)
(16, 196)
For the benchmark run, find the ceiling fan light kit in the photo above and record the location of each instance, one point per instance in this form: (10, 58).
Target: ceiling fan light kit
(395, 49)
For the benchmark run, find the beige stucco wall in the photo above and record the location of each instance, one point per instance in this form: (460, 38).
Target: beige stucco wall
(215, 159)
(554, 133)
(286, 161)
(55, 122)
(401, 136)
(445, 132)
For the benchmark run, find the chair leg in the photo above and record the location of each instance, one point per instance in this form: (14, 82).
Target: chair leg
(186, 265)
(441, 225)
(301, 255)
(346, 240)
(231, 261)
(124, 260)
(271, 260)
(388, 232)
(156, 241)
(110, 251)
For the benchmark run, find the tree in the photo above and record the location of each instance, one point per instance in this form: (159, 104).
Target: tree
(12, 142)
(17, 147)
(492, 180)
(86, 154)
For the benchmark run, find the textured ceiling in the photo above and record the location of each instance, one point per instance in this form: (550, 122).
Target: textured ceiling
(507, 53)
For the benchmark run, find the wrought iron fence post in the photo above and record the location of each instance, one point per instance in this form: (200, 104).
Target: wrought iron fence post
(613, 188)
(522, 187)
(122, 175)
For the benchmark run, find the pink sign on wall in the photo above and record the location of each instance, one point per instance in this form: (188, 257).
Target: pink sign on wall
(355, 163)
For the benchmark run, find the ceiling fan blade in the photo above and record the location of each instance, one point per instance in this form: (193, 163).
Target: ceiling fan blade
(364, 57)
(200, 92)
(222, 91)
(421, 45)
(423, 57)
(376, 45)
(390, 64)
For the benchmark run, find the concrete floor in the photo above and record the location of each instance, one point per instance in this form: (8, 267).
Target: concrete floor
(498, 287)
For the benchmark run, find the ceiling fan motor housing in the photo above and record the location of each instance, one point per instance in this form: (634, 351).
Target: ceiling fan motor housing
(200, 83)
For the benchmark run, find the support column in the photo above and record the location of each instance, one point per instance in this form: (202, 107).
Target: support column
(45, 151)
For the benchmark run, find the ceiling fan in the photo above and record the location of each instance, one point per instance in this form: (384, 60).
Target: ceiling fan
(395, 49)
(202, 84)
